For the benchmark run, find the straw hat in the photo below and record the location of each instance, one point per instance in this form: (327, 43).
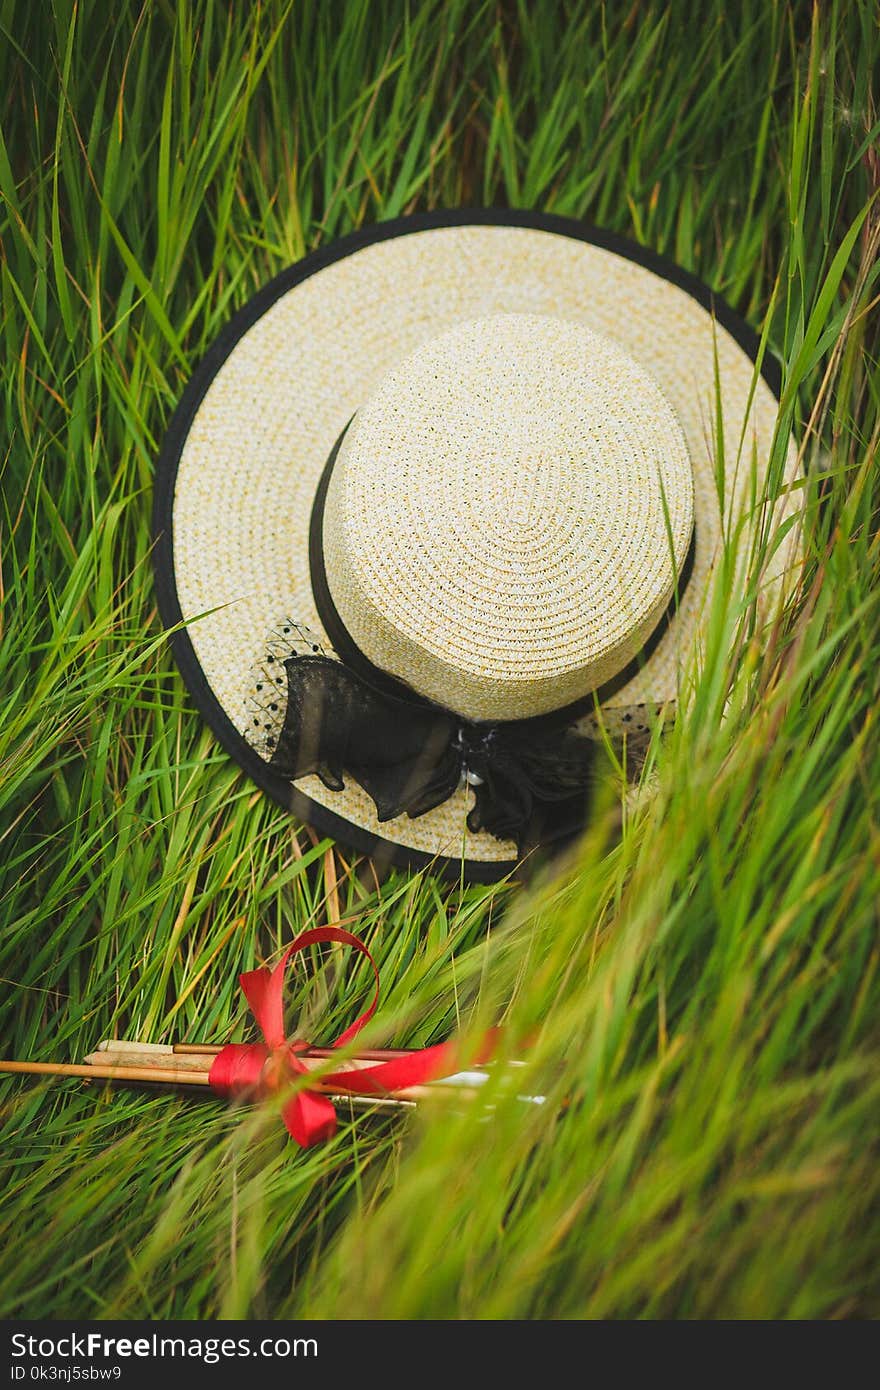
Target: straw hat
(441, 501)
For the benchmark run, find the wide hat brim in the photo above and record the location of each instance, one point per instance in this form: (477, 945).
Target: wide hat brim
(245, 450)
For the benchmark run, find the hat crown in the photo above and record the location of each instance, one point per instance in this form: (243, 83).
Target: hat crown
(507, 516)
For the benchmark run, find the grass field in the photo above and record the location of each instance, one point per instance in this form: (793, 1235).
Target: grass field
(699, 978)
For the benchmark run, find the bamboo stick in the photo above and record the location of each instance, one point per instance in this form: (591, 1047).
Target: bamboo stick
(173, 1077)
(368, 1055)
(202, 1061)
(124, 1058)
(182, 1076)
(211, 1050)
(91, 1072)
(199, 1057)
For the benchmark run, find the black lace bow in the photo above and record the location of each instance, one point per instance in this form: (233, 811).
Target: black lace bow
(530, 779)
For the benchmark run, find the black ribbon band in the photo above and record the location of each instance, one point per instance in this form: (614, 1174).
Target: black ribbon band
(530, 783)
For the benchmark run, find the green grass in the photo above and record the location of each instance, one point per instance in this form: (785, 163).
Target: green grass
(699, 979)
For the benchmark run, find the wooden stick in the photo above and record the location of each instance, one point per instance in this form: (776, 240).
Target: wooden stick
(194, 1057)
(168, 1075)
(211, 1050)
(368, 1055)
(182, 1076)
(124, 1058)
(200, 1062)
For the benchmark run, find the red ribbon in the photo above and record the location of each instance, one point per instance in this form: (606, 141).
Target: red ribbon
(260, 1068)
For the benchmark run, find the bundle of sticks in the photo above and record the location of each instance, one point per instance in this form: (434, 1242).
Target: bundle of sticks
(188, 1065)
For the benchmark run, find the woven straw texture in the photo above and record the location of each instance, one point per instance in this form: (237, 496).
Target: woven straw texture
(259, 441)
(507, 516)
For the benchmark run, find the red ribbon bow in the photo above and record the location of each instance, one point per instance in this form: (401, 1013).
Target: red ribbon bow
(261, 1067)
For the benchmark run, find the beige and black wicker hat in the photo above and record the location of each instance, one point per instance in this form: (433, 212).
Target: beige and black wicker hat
(444, 497)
